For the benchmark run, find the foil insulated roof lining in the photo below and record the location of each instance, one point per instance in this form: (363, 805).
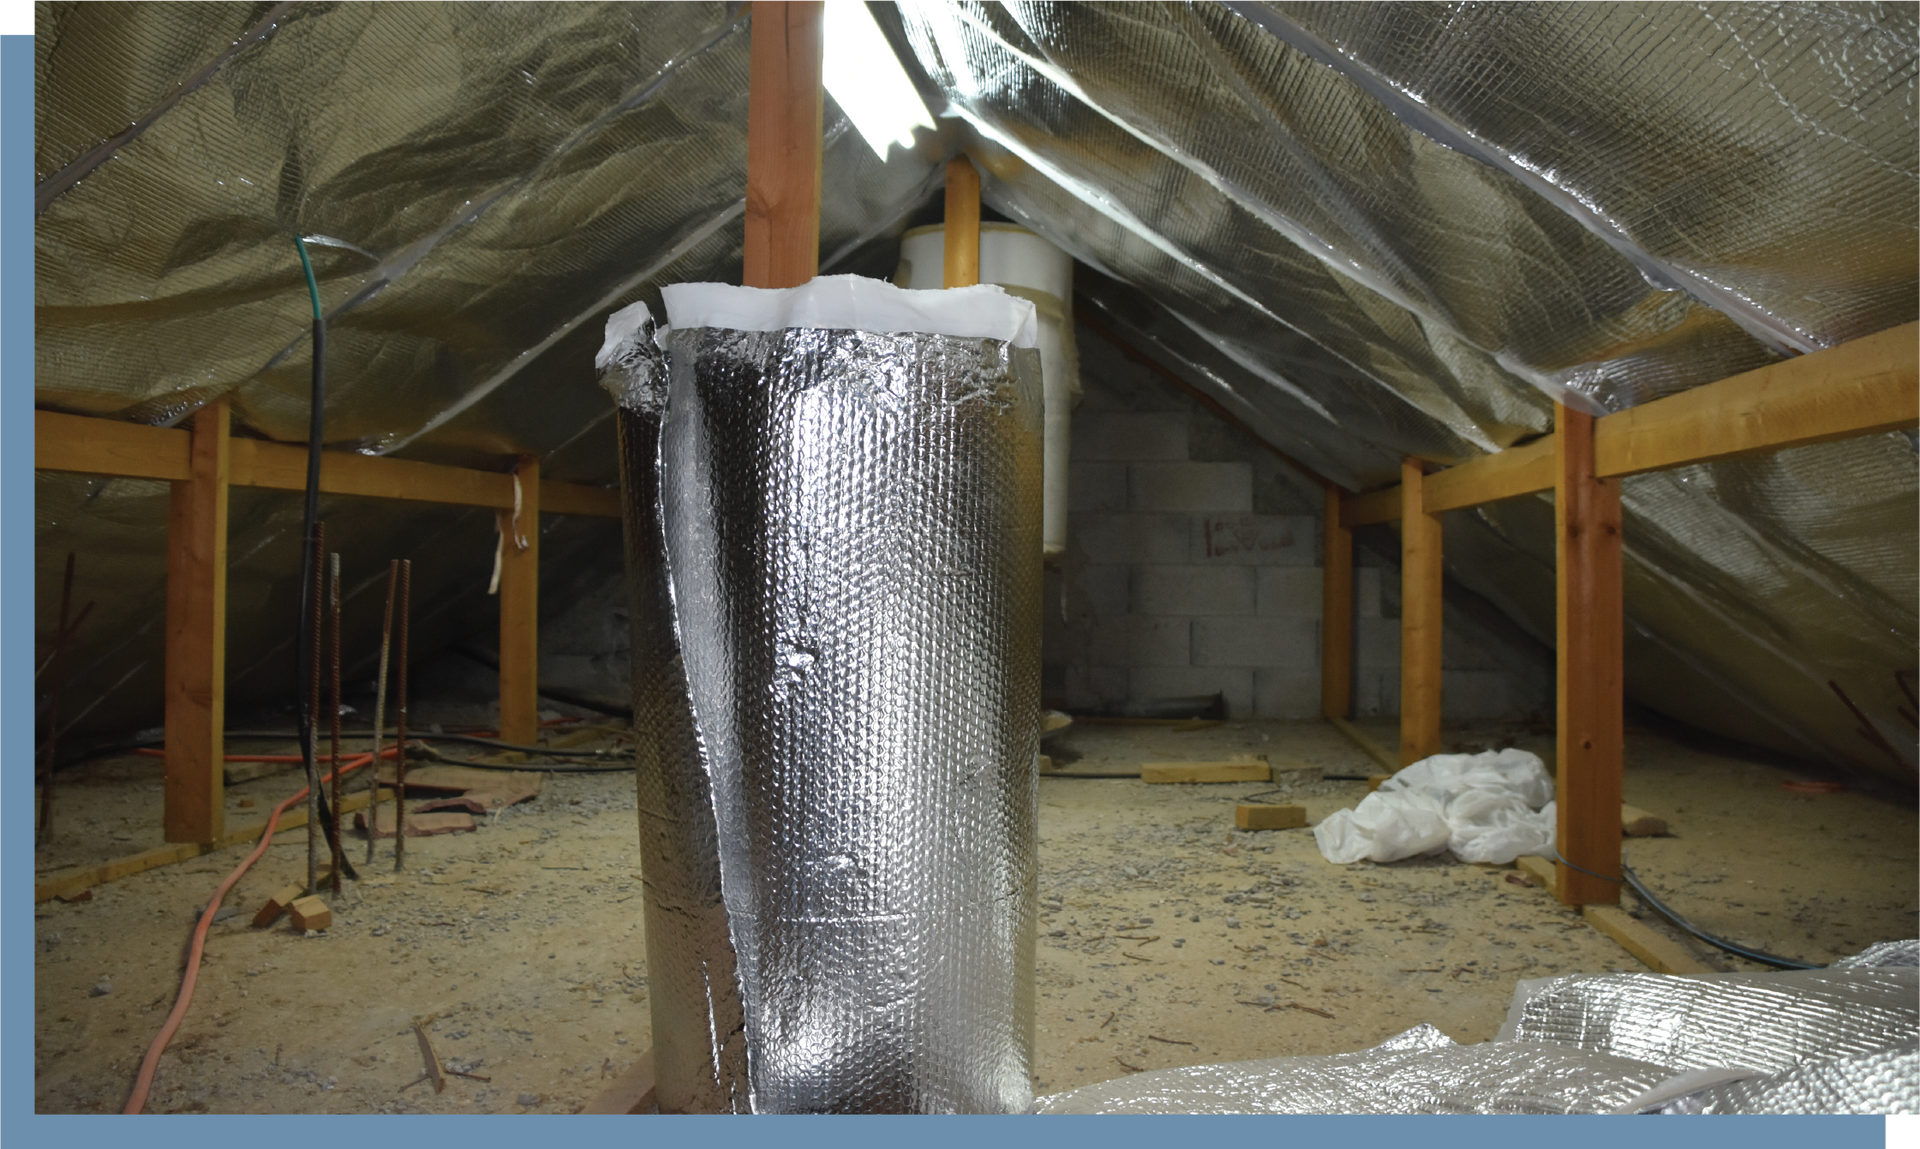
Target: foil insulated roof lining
(1370, 231)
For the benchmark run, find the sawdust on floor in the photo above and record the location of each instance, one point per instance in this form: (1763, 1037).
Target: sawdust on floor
(1167, 936)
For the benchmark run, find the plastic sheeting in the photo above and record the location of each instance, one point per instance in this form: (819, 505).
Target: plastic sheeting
(1490, 807)
(848, 700)
(1369, 231)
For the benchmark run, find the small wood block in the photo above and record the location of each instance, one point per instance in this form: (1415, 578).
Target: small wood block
(419, 825)
(310, 914)
(1206, 772)
(1637, 823)
(631, 1092)
(1374, 781)
(1542, 870)
(276, 905)
(1252, 816)
(1044, 762)
(1661, 953)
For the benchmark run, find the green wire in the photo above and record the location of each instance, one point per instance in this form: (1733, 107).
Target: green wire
(313, 289)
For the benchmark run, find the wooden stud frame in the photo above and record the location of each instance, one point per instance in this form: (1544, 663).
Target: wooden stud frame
(203, 464)
(1420, 616)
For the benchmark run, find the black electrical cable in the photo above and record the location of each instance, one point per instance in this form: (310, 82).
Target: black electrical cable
(1661, 908)
(309, 552)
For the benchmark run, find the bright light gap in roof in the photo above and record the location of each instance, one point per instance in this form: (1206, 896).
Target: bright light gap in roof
(866, 80)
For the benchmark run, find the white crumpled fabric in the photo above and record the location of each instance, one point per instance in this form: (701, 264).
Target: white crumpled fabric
(1490, 807)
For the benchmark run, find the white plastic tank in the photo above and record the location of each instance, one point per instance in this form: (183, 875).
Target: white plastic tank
(1030, 267)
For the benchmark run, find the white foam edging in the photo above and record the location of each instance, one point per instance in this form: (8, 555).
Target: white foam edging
(855, 303)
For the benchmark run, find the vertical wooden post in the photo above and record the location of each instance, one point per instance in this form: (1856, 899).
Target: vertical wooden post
(1419, 619)
(1336, 612)
(196, 650)
(520, 611)
(1590, 638)
(783, 144)
(962, 224)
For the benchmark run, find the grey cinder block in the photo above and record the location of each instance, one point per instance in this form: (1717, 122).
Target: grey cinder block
(1192, 590)
(1219, 487)
(1291, 643)
(1256, 540)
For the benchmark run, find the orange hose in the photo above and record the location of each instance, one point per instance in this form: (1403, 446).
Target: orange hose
(144, 1081)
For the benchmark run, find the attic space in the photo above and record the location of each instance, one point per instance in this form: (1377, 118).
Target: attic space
(1043, 558)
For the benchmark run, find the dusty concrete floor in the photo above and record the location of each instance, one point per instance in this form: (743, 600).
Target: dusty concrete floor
(1166, 934)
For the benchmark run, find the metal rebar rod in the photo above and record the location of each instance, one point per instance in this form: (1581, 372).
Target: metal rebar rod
(379, 711)
(400, 721)
(334, 849)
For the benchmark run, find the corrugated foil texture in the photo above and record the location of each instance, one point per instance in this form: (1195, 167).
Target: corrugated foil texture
(852, 544)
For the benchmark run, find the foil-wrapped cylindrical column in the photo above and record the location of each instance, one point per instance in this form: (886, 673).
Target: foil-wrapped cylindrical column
(849, 489)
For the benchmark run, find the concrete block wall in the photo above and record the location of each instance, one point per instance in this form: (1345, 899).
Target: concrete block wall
(1193, 569)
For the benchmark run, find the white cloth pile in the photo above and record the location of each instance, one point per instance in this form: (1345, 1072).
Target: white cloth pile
(1490, 807)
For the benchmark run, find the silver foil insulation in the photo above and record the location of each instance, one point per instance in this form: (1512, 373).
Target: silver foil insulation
(1835, 1040)
(835, 542)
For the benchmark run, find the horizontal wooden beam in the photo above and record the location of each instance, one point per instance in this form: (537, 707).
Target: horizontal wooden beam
(91, 446)
(1861, 387)
(283, 467)
(579, 499)
(1504, 475)
(1372, 508)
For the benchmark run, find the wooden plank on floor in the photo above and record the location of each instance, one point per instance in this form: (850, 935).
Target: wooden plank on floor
(1660, 952)
(632, 1092)
(1173, 772)
(73, 881)
(1542, 870)
(1365, 742)
(1258, 816)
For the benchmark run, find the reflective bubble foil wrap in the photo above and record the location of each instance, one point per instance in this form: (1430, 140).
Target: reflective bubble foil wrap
(850, 527)
(1419, 1071)
(1766, 1022)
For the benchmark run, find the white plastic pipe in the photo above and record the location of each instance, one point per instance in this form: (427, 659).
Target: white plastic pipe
(1030, 267)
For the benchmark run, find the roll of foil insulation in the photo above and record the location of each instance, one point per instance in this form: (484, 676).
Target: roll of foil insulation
(848, 522)
(1765, 1022)
(1419, 1071)
(1887, 1081)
